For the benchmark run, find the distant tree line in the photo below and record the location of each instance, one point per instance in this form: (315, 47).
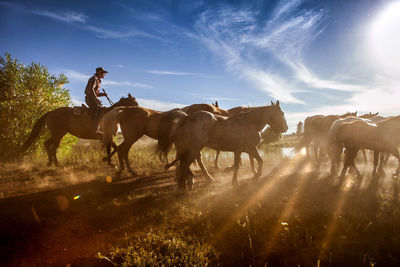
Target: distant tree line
(26, 93)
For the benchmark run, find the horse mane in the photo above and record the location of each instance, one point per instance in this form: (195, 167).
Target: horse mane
(348, 114)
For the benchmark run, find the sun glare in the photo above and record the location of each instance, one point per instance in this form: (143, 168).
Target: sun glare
(384, 38)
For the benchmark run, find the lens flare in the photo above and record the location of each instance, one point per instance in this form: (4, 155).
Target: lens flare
(384, 38)
(77, 197)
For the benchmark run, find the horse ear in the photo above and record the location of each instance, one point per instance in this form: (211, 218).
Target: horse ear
(376, 114)
(216, 104)
(355, 113)
(129, 95)
(277, 102)
(272, 103)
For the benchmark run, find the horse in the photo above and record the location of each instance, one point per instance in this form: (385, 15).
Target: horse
(234, 111)
(334, 149)
(63, 120)
(205, 107)
(238, 133)
(134, 123)
(315, 130)
(380, 137)
(213, 108)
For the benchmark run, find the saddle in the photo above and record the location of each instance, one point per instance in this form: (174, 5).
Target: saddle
(82, 110)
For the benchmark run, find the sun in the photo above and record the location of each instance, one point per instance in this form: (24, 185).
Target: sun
(384, 38)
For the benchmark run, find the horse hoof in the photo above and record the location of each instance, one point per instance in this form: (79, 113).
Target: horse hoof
(105, 159)
(118, 174)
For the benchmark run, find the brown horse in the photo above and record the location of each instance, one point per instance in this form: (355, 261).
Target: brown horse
(234, 111)
(334, 148)
(380, 137)
(315, 130)
(63, 120)
(136, 122)
(238, 133)
(214, 109)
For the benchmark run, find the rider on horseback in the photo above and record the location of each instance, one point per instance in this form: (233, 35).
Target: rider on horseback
(92, 92)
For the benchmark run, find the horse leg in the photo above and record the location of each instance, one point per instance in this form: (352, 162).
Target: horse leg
(48, 145)
(203, 168)
(346, 163)
(352, 156)
(216, 165)
(253, 168)
(321, 152)
(125, 155)
(254, 154)
(383, 159)
(120, 150)
(183, 173)
(109, 153)
(236, 167)
(172, 163)
(54, 143)
(376, 161)
(395, 153)
(364, 155)
(316, 150)
(335, 158)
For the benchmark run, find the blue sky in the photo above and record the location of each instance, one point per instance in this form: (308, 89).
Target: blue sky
(316, 57)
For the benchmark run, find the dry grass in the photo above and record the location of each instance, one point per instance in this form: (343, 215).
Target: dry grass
(293, 216)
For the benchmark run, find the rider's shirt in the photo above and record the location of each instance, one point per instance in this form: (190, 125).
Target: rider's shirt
(93, 87)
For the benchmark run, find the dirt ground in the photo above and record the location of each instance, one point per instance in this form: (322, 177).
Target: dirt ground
(68, 215)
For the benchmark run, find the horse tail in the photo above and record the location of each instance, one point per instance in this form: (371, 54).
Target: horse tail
(109, 125)
(36, 130)
(166, 131)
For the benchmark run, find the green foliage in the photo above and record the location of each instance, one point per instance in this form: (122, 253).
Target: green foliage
(26, 93)
(165, 248)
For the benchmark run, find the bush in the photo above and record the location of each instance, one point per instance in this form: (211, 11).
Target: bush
(26, 93)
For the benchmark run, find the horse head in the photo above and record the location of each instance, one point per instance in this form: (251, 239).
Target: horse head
(127, 101)
(348, 114)
(277, 122)
(369, 115)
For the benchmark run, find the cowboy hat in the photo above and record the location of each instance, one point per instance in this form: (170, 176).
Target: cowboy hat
(100, 70)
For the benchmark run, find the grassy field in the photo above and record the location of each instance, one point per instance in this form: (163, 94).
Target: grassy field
(293, 215)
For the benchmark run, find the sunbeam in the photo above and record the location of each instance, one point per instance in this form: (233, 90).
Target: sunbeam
(296, 163)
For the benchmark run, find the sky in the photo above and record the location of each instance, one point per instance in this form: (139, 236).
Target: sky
(315, 57)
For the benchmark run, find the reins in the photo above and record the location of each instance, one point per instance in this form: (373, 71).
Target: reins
(109, 100)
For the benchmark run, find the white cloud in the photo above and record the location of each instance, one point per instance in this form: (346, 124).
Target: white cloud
(83, 78)
(166, 72)
(303, 74)
(69, 16)
(158, 105)
(76, 76)
(235, 37)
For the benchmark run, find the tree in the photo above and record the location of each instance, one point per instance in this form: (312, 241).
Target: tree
(26, 93)
(300, 128)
